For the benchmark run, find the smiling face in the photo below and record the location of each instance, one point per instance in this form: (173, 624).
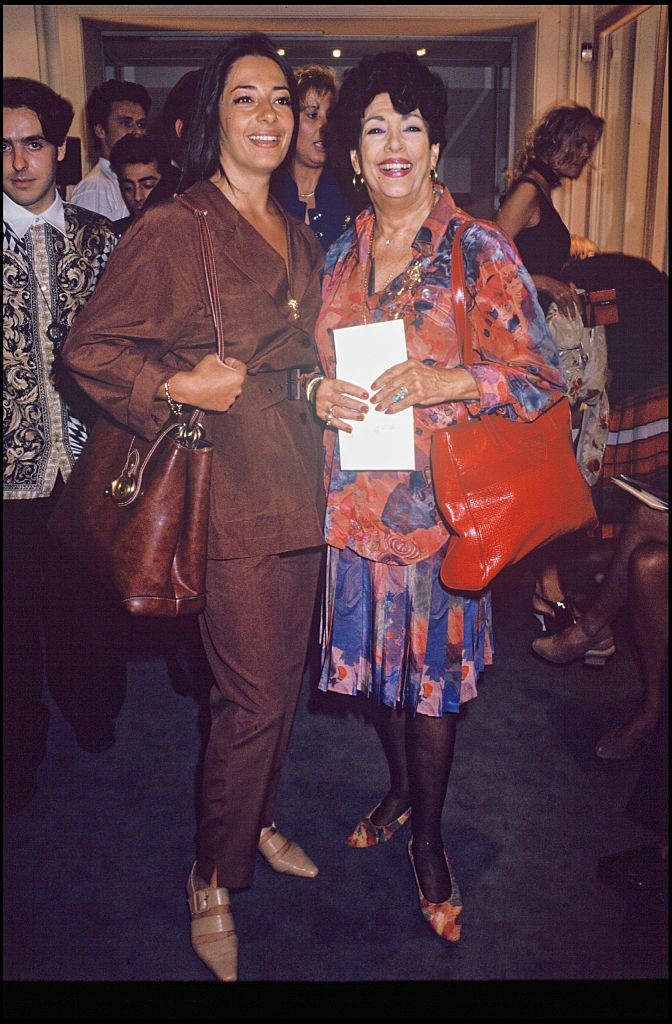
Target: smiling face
(28, 161)
(255, 118)
(310, 148)
(395, 156)
(575, 153)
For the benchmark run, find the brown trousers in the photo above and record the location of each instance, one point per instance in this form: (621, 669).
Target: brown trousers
(255, 630)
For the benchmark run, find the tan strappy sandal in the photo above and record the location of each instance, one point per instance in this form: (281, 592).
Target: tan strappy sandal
(220, 956)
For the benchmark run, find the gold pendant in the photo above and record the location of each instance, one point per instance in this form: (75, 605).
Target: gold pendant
(294, 308)
(415, 273)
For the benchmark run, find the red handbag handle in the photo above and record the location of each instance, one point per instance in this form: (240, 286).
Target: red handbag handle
(458, 283)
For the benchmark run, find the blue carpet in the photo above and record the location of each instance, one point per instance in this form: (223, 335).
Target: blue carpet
(95, 865)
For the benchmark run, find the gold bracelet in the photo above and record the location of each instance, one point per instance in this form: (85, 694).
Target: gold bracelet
(312, 386)
(175, 407)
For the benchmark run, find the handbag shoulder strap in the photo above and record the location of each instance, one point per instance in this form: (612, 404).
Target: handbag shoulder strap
(458, 284)
(209, 265)
(458, 281)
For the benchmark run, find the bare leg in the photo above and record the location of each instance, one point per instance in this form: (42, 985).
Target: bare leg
(648, 601)
(643, 525)
(430, 746)
(549, 585)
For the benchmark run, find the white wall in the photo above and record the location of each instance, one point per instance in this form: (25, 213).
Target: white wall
(20, 57)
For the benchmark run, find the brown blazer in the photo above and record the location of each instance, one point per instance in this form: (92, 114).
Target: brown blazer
(151, 315)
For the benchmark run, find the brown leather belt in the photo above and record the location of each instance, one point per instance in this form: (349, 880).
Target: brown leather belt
(262, 390)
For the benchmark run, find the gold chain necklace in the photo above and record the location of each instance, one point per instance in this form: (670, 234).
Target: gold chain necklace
(292, 302)
(412, 277)
(414, 272)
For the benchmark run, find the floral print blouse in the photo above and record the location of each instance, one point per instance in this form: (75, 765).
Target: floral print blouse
(392, 516)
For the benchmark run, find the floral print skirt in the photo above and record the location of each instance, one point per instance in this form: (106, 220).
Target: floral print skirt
(396, 633)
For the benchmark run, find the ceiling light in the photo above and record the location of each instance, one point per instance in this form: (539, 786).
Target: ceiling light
(421, 52)
(335, 53)
(281, 53)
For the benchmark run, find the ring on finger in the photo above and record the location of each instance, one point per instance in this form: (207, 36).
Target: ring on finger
(330, 416)
(401, 393)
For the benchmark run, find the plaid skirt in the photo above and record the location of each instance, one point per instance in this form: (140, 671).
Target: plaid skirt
(638, 446)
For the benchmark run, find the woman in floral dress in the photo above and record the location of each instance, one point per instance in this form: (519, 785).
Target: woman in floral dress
(393, 631)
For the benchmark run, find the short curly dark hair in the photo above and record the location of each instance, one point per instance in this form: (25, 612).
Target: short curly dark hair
(54, 112)
(138, 149)
(114, 90)
(410, 85)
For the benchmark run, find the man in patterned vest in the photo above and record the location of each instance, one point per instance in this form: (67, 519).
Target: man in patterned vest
(56, 621)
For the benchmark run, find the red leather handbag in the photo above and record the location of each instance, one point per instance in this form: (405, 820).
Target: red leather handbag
(137, 511)
(503, 486)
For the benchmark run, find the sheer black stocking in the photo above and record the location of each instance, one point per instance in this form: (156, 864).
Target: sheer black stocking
(390, 724)
(430, 745)
(419, 751)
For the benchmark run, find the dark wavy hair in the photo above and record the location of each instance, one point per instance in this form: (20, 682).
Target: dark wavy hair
(138, 149)
(410, 85)
(180, 102)
(547, 137)
(114, 90)
(54, 112)
(201, 149)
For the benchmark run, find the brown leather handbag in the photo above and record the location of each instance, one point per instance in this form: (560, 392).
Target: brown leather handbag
(599, 307)
(503, 486)
(137, 511)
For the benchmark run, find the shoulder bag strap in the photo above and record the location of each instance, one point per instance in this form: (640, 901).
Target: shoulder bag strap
(458, 285)
(209, 266)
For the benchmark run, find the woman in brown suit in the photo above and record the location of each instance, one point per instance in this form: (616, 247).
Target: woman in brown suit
(144, 348)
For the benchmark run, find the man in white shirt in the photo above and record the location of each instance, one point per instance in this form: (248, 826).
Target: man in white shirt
(114, 109)
(53, 256)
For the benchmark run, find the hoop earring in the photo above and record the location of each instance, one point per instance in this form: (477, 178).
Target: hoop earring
(357, 182)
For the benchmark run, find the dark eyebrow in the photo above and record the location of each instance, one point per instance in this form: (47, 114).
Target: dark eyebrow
(29, 138)
(276, 88)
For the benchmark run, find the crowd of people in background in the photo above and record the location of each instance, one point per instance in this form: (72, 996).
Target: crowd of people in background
(302, 250)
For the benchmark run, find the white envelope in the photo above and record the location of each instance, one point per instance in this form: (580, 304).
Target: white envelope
(379, 441)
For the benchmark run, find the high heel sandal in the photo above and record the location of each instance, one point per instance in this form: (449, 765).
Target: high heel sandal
(284, 855)
(220, 956)
(560, 649)
(560, 614)
(366, 833)
(441, 917)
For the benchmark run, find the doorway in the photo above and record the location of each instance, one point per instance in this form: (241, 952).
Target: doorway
(478, 72)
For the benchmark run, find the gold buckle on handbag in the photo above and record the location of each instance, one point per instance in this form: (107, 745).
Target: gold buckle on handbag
(126, 484)
(190, 435)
